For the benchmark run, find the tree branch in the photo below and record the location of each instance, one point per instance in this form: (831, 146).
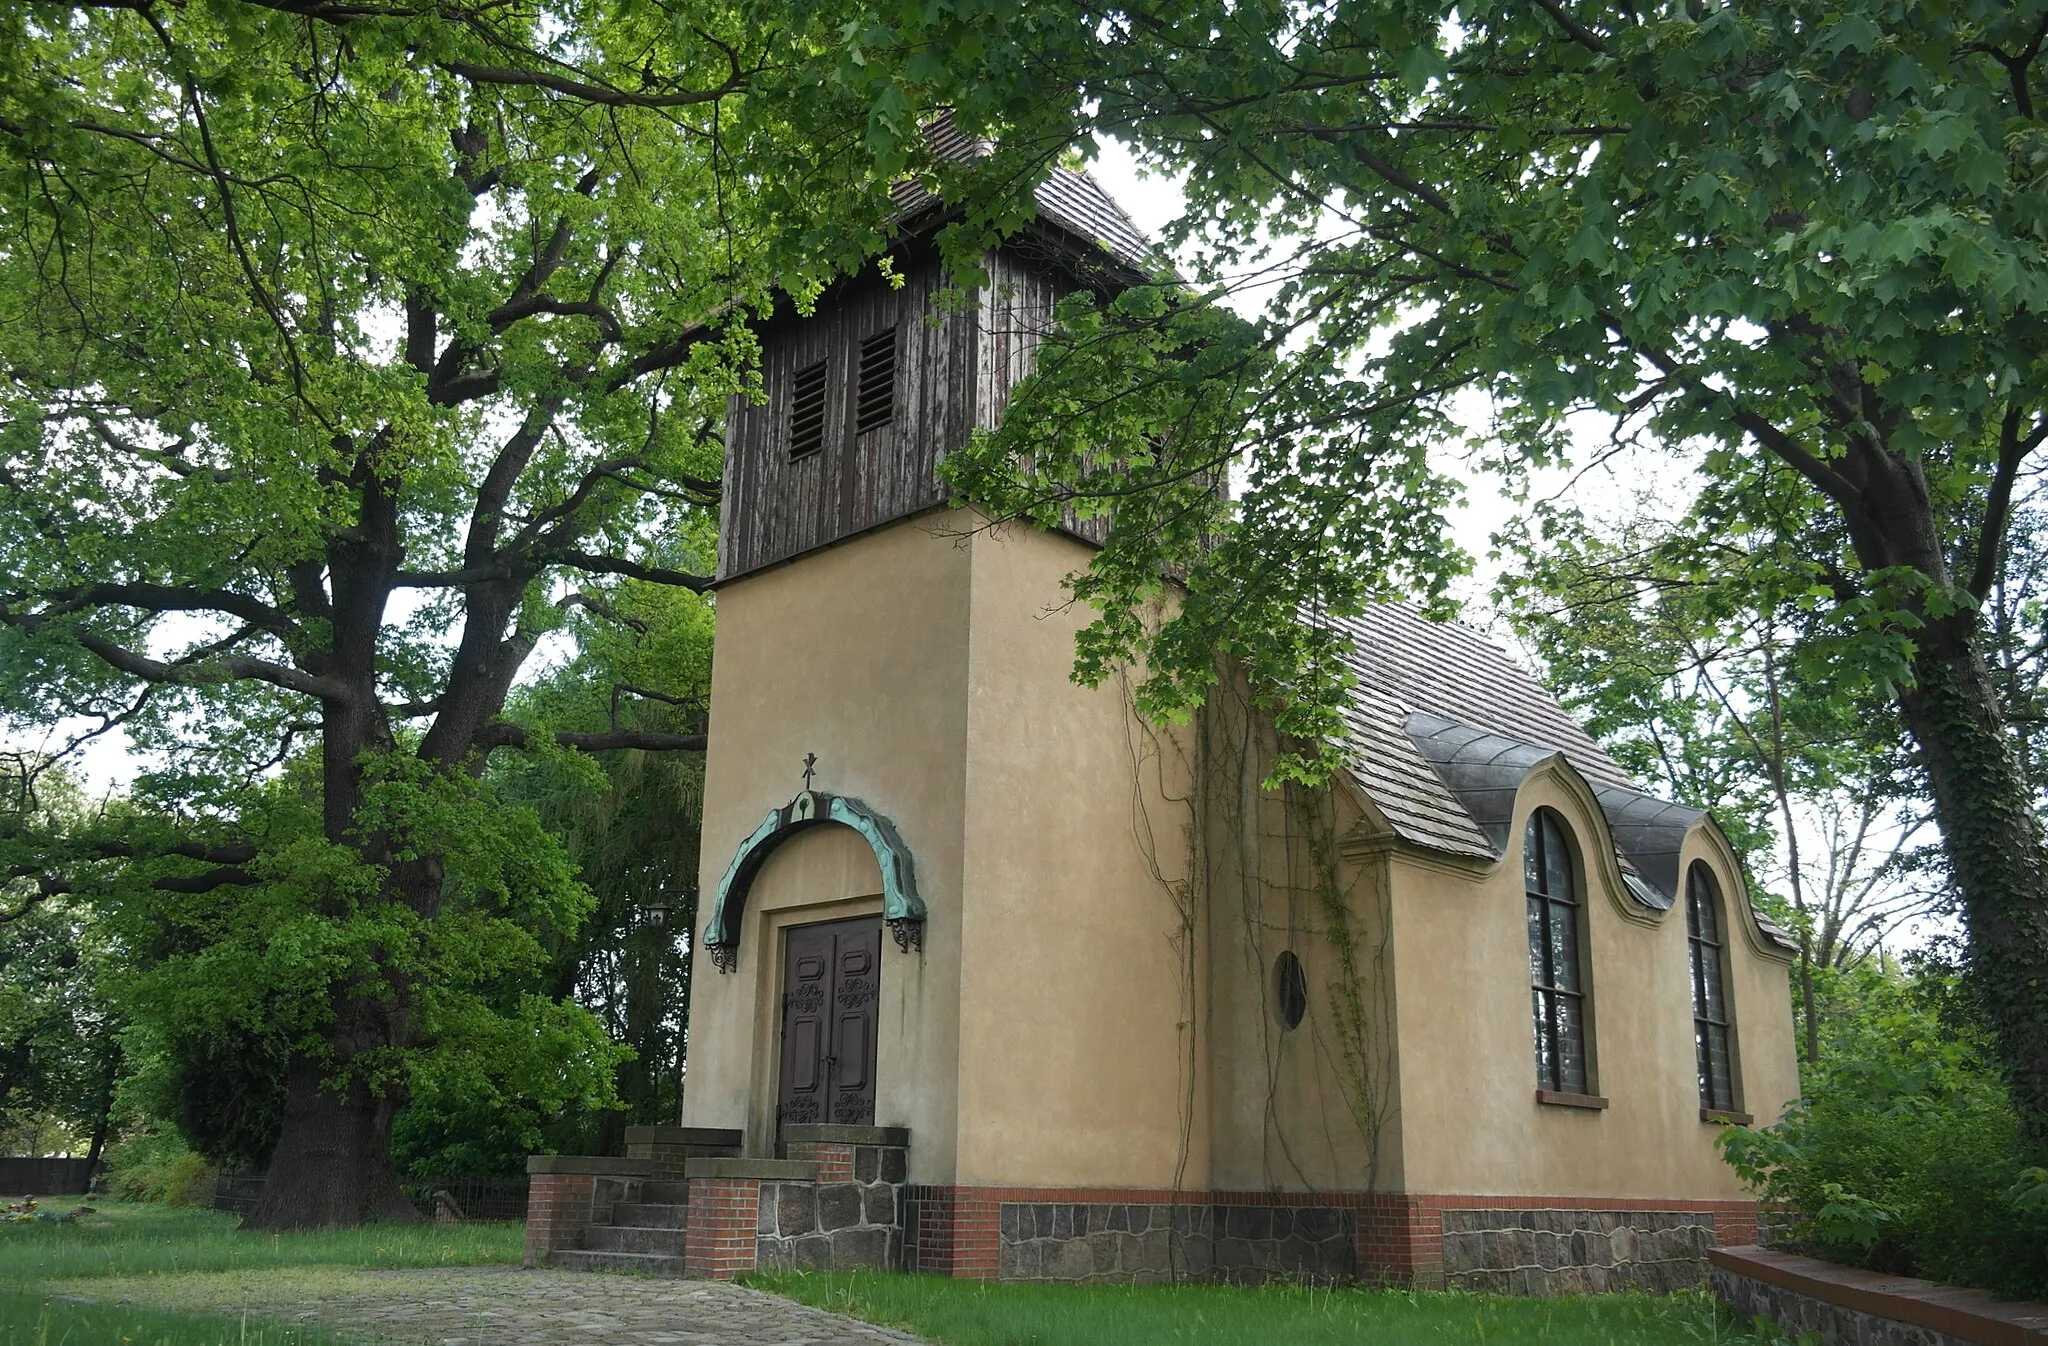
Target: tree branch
(2013, 449)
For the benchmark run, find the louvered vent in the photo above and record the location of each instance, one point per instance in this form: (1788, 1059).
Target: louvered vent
(807, 412)
(877, 403)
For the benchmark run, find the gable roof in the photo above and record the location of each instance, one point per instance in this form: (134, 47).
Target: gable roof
(1443, 728)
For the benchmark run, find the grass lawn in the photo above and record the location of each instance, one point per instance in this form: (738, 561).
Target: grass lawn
(977, 1313)
(129, 1240)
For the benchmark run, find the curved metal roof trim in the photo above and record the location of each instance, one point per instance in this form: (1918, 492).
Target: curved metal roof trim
(1485, 770)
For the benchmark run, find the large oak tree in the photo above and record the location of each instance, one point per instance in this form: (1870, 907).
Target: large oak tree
(344, 349)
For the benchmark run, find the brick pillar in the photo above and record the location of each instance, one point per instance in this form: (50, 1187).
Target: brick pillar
(957, 1230)
(833, 1158)
(670, 1148)
(557, 1209)
(725, 1216)
(1401, 1241)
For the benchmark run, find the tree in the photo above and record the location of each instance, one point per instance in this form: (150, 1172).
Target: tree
(61, 1033)
(632, 829)
(1802, 239)
(1645, 628)
(346, 350)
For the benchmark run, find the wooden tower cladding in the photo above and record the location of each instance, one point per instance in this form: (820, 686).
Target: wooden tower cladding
(866, 397)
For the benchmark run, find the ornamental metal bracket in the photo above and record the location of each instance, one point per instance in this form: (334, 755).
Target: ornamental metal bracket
(902, 908)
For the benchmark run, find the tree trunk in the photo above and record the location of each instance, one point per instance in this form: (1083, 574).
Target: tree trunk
(1808, 1003)
(103, 1120)
(1995, 846)
(332, 1166)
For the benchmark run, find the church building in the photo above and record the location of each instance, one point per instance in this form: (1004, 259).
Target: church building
(994, 978)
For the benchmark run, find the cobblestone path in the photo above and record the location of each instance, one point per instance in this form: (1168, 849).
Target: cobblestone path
(507, 1306)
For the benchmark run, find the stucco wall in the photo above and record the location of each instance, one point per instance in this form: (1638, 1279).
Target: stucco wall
(1076, 972)
(1069, 1023)
(1469, 1119)
(859, 654)
(1041, 1037)
(1297, 1109)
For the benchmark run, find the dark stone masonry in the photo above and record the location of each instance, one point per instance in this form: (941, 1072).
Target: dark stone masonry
(852, 1217)
(1072, 1241)
(1555, 1252)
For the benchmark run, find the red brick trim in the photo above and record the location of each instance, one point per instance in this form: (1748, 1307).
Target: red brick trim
(1970, 1314)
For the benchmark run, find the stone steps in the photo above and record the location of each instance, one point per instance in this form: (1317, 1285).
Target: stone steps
(591, 1259)
(613, 1238)
(650, 1215)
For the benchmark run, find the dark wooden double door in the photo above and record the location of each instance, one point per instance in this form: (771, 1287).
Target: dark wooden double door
(831, 998)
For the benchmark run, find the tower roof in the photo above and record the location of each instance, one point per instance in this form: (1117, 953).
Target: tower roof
(1069, 201)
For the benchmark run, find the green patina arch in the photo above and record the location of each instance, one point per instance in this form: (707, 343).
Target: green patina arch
(902, 908)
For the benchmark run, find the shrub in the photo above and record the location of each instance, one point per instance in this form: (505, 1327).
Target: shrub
(158, 1166)
(1905, 1154)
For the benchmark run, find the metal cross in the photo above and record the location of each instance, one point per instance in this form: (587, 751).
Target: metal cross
(810, 768)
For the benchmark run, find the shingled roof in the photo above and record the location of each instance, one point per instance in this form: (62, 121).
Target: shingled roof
(1444, 726)
(1071, 202)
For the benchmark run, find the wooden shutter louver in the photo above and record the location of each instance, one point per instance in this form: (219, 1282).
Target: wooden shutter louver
(807, 411)
(875, 405)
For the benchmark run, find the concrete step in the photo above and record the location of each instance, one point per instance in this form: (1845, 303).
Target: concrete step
(665, 1193)
(612, 1238)
(585, 1259)
(650, 1215)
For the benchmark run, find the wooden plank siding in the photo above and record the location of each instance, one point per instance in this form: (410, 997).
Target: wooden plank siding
(955, 366)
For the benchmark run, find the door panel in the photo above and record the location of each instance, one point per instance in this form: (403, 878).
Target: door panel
(830, 1022)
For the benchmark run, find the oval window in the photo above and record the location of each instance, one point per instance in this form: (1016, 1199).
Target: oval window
(1290, 989)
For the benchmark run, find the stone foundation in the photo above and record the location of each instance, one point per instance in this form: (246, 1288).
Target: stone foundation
(851, 1217)
(1532, 1246)
(1562, 1252)
(1149, 1243)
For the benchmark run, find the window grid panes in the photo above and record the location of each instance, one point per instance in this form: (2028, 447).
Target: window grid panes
(1556, 982)
(1709, 992)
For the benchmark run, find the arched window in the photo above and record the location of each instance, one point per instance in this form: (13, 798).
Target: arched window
(1556, 980)
(1703, 926)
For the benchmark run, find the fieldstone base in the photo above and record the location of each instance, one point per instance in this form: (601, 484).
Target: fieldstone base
(1147, 1243)
(1515, 1245)
(1556, 1252)
(806, 1226)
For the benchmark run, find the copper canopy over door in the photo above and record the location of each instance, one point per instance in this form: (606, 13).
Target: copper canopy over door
(831, 990)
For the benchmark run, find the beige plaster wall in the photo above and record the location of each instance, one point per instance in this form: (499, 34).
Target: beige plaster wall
(1301, 1108)
(859, 654)
(1043, 1037)
(1469, 1119)
(1077, 969)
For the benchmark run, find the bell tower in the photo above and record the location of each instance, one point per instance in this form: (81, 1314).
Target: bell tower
(867, 395)
(922, 896)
